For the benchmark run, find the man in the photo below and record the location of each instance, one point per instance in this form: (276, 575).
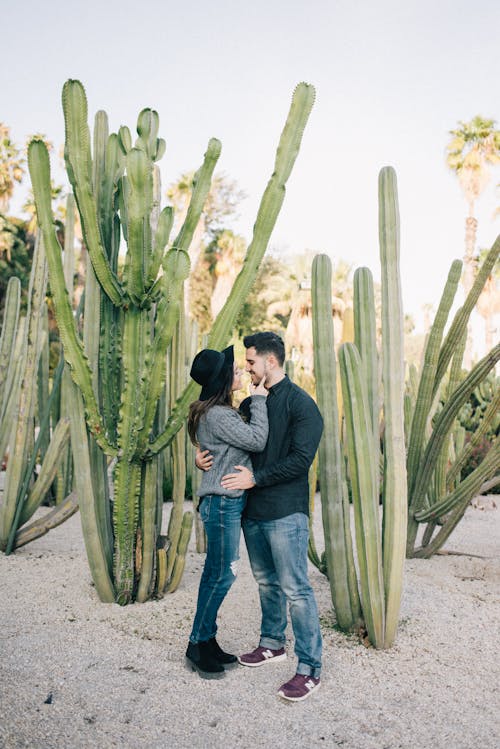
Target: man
(275, 520)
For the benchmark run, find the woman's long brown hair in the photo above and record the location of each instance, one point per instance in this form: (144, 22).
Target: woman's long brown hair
(196, 410)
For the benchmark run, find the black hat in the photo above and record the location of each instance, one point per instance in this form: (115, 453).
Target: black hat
(210, 370)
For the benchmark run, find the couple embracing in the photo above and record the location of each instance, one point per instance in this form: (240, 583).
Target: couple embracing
(255, 464)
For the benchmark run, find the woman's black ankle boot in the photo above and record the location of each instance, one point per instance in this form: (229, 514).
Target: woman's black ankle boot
(219, 655)
(201, 656)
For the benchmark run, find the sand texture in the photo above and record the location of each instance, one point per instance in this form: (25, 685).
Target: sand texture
(78, 673)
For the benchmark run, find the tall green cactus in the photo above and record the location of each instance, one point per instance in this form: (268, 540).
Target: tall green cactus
(380, 552)
(363, 471)
(334, 503)
(138, 313)
(26, 436)
(20, 445)
(394, 488)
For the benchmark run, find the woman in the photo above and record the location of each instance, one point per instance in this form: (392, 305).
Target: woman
(214, 425)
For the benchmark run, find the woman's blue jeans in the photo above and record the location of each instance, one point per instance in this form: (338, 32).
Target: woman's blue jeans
(222, 520)
(278, 556)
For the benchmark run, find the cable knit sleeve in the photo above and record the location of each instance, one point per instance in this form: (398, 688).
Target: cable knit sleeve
(227, 425)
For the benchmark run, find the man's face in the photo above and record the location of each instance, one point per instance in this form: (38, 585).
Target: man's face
(256, 365)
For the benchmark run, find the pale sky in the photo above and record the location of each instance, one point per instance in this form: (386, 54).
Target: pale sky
(392, 78)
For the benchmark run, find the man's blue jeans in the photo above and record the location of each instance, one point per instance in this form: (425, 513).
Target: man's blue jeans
(278, 557)
(222, 520)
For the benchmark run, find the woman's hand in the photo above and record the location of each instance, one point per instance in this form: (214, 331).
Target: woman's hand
(259, 389)
(204, 460)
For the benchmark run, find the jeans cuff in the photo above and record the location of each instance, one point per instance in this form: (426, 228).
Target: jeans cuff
(269, 642)
(306, 670)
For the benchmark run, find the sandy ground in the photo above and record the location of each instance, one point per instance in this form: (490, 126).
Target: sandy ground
(78, 673)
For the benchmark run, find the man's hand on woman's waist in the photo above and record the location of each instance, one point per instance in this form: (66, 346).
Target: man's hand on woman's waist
(244, 479)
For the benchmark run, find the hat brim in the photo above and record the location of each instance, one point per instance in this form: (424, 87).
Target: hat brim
(220, 378)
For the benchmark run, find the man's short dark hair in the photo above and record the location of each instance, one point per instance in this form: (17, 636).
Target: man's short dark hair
(266, 343)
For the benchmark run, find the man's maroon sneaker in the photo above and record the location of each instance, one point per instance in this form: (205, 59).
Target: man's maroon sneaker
(259, 656)
(299, 688)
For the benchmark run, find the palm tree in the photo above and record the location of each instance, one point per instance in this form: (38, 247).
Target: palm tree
(473, 149)
(11, 167)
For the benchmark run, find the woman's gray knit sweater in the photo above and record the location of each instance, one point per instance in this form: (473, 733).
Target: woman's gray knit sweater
(230, 439)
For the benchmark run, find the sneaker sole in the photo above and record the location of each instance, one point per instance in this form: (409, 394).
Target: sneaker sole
(299, 699)
(274, 659)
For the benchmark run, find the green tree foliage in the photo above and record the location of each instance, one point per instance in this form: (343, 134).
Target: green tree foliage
(16, 253)
(11, 167)
(269, 304)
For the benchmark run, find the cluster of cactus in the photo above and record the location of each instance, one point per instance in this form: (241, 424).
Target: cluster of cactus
(117, 404)
(380, 547)
(33, 431)
(416, 474)
(472, 414)
(438, 495)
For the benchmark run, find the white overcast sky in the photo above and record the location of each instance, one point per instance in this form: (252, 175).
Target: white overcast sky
(392, 78)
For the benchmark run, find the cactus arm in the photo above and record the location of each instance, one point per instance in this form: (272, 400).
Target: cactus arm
(288, 148)
(108, 168)
(148, 124)
(9, 328)
(11, 398)
(460, 499)
(55, 454)
(20, 447)
(444, 423)
(38, 160)
(180, 557)
(365, 338)
(395, 492)
(83, 484)
(469, 487)
(363, 470)
(312, 551)
(178, 447)
(109, 365)
(488, 419)
(201, 187)
(270, 205)
(459, 324)
(140, 204)
(49, 520)
(161, 237)
(424, 397)
(176, 270)
(136, 372)
(101, 135)
(79, 168)
(148, 527)
(338, 543)
(29, 466)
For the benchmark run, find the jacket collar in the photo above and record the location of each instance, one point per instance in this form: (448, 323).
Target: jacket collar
(281, 385)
